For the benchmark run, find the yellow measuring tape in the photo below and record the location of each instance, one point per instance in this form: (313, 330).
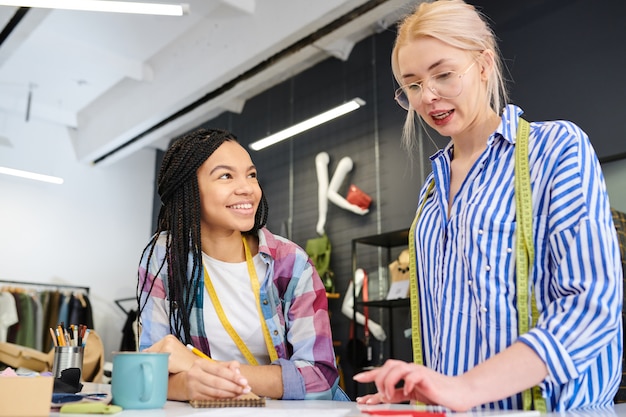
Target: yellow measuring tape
(256, 289)
(525, 251)
(416, 326)
(525, 254)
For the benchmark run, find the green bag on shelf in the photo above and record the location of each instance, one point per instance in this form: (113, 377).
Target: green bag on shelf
(319, 250)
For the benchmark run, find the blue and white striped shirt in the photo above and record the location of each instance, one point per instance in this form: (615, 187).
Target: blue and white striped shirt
(466, 265)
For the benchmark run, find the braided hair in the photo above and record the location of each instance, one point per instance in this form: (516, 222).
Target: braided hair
(179, 216)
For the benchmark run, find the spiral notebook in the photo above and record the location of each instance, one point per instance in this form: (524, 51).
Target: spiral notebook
(244, 400)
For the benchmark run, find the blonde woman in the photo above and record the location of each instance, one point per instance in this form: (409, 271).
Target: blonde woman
(446, 62)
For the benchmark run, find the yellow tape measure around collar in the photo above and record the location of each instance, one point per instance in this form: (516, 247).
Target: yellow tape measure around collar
(256, 289)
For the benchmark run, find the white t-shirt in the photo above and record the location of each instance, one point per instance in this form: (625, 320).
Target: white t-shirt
(234, 291)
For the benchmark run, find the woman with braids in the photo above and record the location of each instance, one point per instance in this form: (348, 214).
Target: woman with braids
(215, 278)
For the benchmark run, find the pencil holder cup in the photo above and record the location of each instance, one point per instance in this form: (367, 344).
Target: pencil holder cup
(66, 357)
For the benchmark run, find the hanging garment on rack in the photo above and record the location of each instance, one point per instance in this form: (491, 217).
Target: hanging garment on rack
(37, 320)
(50, 316)
(128, 332)
(64, 308)
(80, 309)
(23, 332)
(8, 314)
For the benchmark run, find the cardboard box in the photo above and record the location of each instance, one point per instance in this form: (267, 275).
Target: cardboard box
(17, 356)
(25, 396)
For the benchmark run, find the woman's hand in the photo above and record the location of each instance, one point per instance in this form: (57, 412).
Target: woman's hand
(511, 371)
(194, 378)
(210, 379)
(420, 384)
(181, 359)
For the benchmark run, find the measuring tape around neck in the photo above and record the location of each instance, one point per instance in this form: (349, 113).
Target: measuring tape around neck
(416, 326)
(525, 253)
(254, 282)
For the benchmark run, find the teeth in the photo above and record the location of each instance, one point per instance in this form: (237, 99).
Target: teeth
(441, 115)
(241, 206)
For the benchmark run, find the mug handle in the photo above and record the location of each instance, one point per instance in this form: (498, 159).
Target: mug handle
(146, 369)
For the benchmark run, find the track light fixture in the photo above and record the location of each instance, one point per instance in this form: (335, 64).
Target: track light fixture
(104, 6)
(31, 175)
(308, 124)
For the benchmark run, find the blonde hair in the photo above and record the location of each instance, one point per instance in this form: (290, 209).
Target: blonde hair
(459, 25)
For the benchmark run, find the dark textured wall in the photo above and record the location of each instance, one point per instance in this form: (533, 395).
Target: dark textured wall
(566, 59)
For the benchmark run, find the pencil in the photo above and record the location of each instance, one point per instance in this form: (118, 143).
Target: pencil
(60, 335)
(87, 331)
(54, 337)
(198, 352)
(59, 338)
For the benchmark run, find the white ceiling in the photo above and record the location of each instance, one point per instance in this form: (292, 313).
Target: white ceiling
(122, 82)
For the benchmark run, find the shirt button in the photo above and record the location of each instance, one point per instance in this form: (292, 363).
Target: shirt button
(509, 250)
(480, 231)
(275, 332)
(469, 283)
(264, 302)
(483, 309)
(487, 268)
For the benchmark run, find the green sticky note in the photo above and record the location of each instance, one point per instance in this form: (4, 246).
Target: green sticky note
(90, 408)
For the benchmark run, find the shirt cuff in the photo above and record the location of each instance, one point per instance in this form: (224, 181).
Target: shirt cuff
(561, 367)
(293, 383)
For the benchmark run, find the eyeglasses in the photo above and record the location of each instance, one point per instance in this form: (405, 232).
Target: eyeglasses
(447, 84)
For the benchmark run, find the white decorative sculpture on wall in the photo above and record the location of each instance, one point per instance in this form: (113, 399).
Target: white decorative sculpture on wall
(328, 191)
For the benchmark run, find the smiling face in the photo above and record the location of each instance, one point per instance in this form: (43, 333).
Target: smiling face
(427, 58)
(229, 190)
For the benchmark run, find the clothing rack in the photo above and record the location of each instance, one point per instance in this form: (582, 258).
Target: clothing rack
(121, 300)
(54, 303)
(46, 285)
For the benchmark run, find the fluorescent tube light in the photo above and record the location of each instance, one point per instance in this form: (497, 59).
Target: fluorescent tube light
(31, 175)
(104, 6)
(307, 124)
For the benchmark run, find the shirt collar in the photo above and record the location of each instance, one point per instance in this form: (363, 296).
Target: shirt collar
(507, 129)
(266, 243)
(508, 126)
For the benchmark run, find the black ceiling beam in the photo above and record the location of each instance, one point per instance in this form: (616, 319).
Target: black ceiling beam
(12, 24)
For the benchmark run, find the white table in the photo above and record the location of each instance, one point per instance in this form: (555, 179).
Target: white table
(313, 408)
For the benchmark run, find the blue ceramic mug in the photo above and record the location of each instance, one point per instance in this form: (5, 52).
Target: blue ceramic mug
(139, 379)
